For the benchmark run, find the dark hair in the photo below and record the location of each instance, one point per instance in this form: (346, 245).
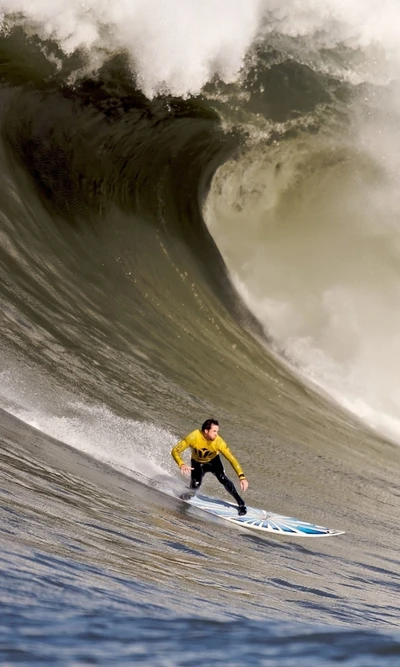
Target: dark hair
(208, 423)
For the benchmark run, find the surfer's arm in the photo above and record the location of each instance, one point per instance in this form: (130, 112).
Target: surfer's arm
(224, 449)
(177, 451)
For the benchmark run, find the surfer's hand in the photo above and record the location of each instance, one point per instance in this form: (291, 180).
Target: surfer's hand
(185, 470)
(244, 485)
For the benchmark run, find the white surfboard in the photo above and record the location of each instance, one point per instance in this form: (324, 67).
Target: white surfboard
(257, 519)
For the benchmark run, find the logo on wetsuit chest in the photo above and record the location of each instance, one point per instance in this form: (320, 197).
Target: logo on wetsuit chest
(201, 454)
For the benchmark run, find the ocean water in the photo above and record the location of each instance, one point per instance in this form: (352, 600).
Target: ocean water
(199, 217)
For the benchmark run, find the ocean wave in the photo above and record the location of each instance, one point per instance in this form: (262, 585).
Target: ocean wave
(129, 172)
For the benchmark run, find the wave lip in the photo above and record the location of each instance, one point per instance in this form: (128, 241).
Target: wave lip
(175, 47)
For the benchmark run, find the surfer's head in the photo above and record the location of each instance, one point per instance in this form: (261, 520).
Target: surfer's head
(210, 429)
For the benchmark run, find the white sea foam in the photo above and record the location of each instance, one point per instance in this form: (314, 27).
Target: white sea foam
(137, 448)
(178, 45)
(175, 45)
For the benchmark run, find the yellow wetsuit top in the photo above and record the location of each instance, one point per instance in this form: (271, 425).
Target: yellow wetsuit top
(204, 451)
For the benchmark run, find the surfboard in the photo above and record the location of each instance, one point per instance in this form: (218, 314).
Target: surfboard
(257, 519)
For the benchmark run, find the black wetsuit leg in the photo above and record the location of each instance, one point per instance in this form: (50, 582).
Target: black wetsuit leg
(215, 466)
(196, 474)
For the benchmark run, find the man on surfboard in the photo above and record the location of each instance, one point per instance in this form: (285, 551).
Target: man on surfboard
(206, 446)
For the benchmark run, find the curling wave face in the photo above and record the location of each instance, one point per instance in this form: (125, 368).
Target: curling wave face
(308, 227)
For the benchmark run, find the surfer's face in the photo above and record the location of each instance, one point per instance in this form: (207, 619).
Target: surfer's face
(212, 433)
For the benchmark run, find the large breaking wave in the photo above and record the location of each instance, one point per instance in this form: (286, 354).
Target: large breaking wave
(154, 156)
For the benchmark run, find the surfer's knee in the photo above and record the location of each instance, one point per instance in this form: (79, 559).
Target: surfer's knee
(223, 479)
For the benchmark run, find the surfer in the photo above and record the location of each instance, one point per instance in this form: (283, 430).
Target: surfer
(206, 446)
